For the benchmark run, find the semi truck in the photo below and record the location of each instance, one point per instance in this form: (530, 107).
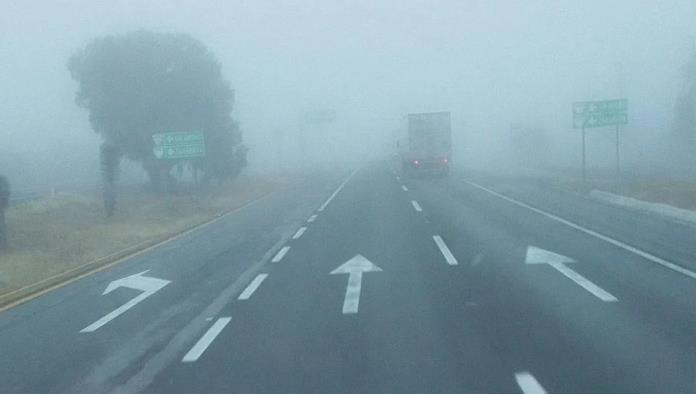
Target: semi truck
(425, 144)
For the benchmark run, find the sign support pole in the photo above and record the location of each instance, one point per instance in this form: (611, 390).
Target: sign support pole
(584, 169)
(618, 166)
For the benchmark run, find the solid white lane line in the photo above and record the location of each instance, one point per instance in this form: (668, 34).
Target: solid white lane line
(312, 218)
(416, 206)
(299, 232)
(449, 257)
(528, 383)
(404, 188)
(246, 294)
(205, 341)
(281, 253)
(331, 197)
(634, 250)
(586, 284)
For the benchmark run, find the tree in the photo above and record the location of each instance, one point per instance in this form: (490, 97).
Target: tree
(141, 83)
(4, 203)
(109, 166)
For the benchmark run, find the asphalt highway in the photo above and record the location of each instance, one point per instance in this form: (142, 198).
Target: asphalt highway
(365, 281)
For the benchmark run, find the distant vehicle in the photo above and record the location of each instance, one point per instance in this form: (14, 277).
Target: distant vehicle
(425, 146)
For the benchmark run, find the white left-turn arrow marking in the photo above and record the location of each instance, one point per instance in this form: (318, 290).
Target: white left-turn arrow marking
(540, 256)
(354, 268)
(148, 285)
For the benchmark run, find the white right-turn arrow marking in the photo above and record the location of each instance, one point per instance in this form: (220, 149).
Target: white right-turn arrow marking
(541, 256)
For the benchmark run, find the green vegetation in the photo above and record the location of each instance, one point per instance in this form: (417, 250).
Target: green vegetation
(143, 83)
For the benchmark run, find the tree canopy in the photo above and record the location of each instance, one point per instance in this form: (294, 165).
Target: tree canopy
(142, 83)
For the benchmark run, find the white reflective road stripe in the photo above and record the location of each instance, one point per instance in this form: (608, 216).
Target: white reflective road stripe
(205, 341)
(281, 253)
(416, 206)
(528, 383)
(251, 288)
(449, 257)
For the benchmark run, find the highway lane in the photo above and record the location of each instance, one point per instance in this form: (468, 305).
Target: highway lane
(644, 342)
(43, 349)
(414, 330)
(374, 283)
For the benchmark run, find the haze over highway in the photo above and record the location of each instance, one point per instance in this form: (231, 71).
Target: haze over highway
(362, 281)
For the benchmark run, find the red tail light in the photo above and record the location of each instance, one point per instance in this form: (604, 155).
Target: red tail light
(416, 162)
(445, 160)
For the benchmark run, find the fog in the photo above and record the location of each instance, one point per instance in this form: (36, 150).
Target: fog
(491, 63)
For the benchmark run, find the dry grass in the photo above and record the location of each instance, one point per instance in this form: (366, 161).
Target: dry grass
(50, 236)
(676, 193)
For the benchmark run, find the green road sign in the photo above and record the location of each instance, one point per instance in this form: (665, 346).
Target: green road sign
(600, 113)
(179, 145)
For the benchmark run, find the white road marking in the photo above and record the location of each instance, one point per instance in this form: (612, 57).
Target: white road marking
(299, 232)
(416, 206)
(398, 178)
(528, 383)
(331, 197)
(246, 294)
(281, 253)
(584, 282)
(449, 257)
(629, 248)
(312, 218)
(354, 268)
(205, 341)
(404, 188)
(558, 261)
(147, 284)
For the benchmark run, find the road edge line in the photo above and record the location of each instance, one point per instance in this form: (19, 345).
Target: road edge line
(632, 249)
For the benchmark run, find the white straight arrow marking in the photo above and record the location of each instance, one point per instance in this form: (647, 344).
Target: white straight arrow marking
(540, 256)
(354, 268)
(148, 285)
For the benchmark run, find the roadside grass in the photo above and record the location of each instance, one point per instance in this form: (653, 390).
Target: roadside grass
(53, 235)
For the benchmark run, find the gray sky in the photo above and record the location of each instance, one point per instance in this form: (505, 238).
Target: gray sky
(490, 62)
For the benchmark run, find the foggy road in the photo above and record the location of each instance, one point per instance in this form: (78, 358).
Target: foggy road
(370, 282)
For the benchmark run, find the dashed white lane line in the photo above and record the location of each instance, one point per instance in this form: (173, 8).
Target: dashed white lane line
(205, 341)
(299, 232)
(416, 206)
(247, 293)
(528, 383)
(338, 190)
(404, 188)
(634, 250)
(449, 257)
(281, 253)
(312, 218)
